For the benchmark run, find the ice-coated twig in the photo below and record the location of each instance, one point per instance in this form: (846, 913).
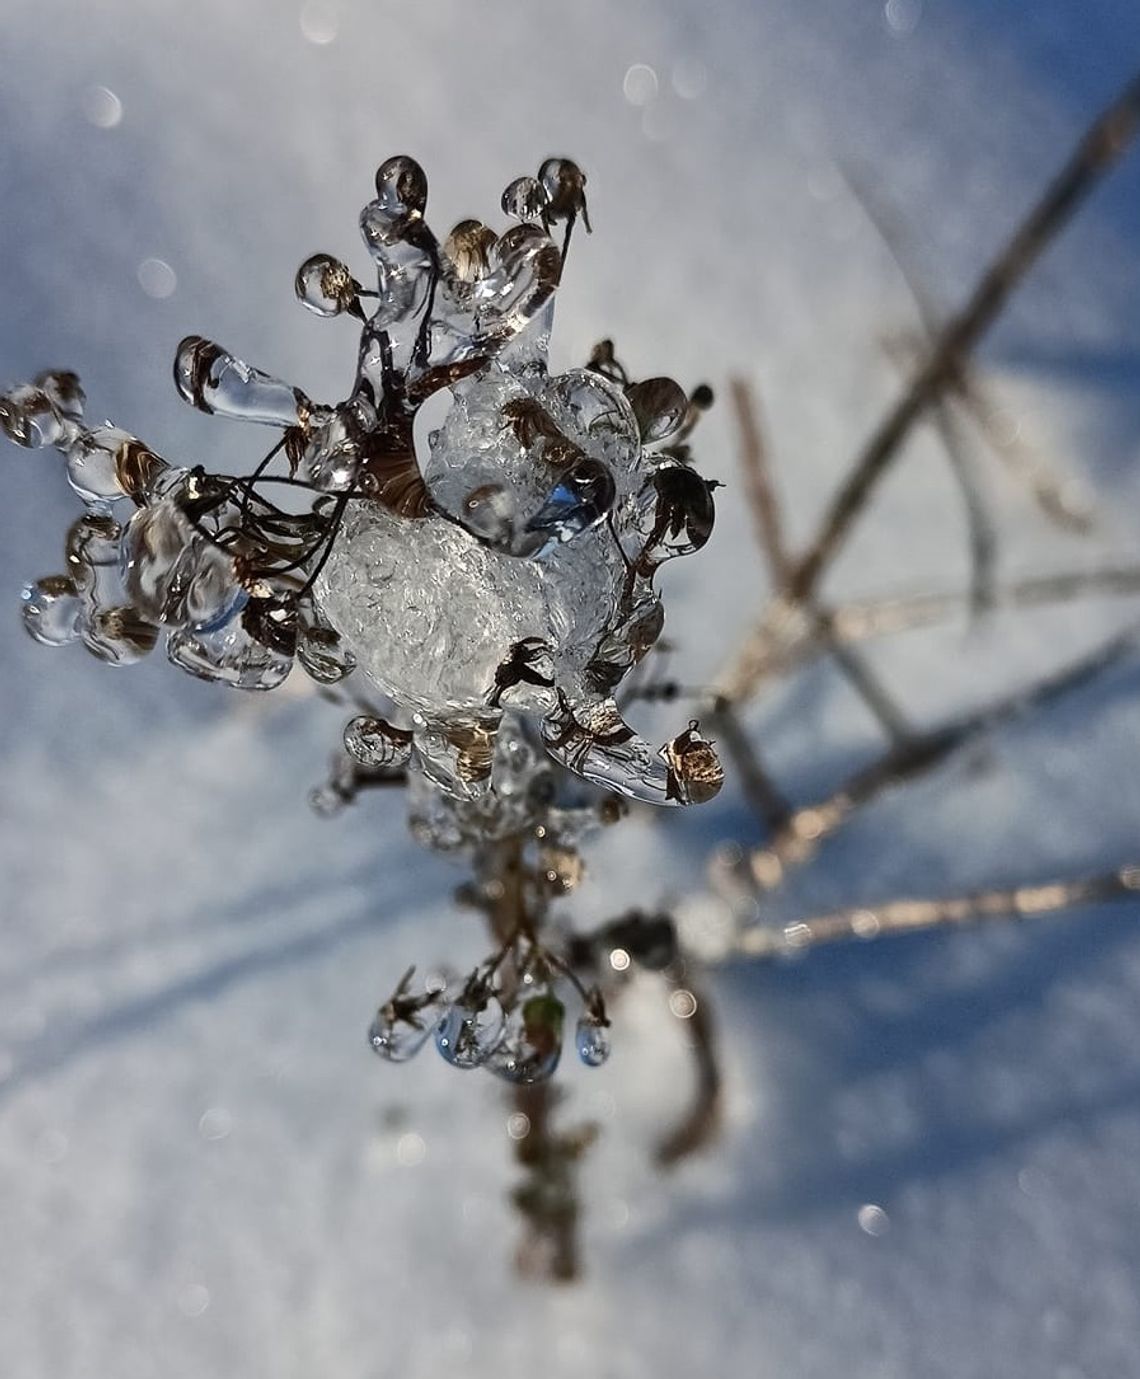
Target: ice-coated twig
(919, 916)
(1103, 144)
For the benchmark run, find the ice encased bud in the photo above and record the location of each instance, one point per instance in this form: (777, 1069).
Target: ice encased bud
(532, 1042)
(326, 286)
(471, 1028)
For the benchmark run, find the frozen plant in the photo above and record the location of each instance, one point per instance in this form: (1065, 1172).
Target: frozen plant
(489, 585)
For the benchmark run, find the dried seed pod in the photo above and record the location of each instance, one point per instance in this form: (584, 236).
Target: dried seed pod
(564, 183)
(326, 286)
(467, 250)
(524, 199)
(401, 185)
(695, 772)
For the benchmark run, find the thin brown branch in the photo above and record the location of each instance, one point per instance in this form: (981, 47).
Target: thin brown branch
(759, 481)
(1062, 498)
(1100, 148)
(867, 685)
(800, 836)
(979, 524)
(919, 916)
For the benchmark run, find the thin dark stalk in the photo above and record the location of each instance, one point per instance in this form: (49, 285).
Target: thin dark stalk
(759, 481)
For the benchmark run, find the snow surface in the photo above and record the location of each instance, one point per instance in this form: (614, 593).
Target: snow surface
(203, 1171)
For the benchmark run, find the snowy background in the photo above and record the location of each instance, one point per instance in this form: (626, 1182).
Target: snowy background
(203, 1171)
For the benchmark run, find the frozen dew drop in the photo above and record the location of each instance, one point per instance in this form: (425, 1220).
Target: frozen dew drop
(229, 656)
(376, 743)
(32, 419)
(174, 574)
(532, 1044)
(405, 1022)
(64, 391)
(592, 1040)
(578, 502)
(524, 199)
(119, 636)
(395, 1039)
(471, 1029)
(331, 457)
(401, 185)
(321, 652)
(564, 184)
(214, 381)
(94, 470)
(676, 513)
(51, 609)
(326, 286)
(695, 772)
(660, 406)
(592, 740)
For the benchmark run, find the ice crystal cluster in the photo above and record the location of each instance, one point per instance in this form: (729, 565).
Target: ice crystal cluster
(489, 584)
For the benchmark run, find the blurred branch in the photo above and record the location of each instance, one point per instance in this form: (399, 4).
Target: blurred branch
(918, 916)
(786, 639)
(799, 837)
(763, 795)
(701, 1122)
(759, 482)
(1101, 147)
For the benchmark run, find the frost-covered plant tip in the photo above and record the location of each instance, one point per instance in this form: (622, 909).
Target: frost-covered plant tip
(489, 587)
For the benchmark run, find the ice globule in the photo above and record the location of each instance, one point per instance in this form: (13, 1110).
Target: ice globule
(592, 1040)
(406, 1021)
(531, 1045)
(472, 1027)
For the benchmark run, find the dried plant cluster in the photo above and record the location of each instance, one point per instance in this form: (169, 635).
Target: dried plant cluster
(482, 598)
